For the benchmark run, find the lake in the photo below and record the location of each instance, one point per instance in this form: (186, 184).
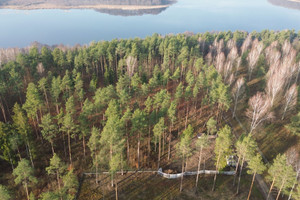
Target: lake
(20, 28)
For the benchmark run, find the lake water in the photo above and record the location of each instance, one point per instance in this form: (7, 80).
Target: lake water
(75, 26)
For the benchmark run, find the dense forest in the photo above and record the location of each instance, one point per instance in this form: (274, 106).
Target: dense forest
(151, 103)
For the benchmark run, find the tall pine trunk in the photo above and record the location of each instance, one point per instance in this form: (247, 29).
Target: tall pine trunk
(52, 148)
(138, 150)
(251, 186)
(241, 169)
(149, 143)
(69, 145)
(159, 150)
(236, 169)
(30, 155)
(199, 165)
(83, 144)
(26, 189)
(215, 178)
(272, 185)
(282, 184)
(181, 181)
(170, 140)
(58, 183)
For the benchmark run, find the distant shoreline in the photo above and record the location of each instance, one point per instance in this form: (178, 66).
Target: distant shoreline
(292, 4)
(52, 6)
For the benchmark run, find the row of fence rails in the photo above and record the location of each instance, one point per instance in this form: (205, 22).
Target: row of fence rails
(174, 176)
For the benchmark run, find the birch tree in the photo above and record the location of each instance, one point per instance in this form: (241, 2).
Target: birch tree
(43, 86)
(254, 55)
(290, 99)
(237, 92)
(259, 110)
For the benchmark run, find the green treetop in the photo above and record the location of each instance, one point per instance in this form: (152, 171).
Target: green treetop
(222, 149)
(211, 126)
(24, 174)
(4, 193)
(49, 129)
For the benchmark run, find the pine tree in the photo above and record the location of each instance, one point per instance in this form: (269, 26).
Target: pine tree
(179, 92)
(201, 143)
(24, 174)
(211, 126)
(166, 77)
(286, 179)
(189, 78)
(187, 96)
(196, 93)
(70, 185)
(176, 74)
(49, 129)
(20, 121)
(126, 118)
(294, 126)
(79, 92)
(85, 121)
(138, 121)
(158, 131)
(245, 147)
(43, 86)
(58, 168)
(111, 141)
(49, 196)
(70, 128)
(172, 118)
(281, 174)
(256, 166)
(66, 85)
(4, 193)
(69, 125)
(184, 149)
(94, 145)
(55, 91)
(222, 149)
(33, 104)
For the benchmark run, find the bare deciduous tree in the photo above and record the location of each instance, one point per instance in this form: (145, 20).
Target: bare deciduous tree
(247, 43)
(131, 65)
(259, 111)
(290, 99)
(253, 55)
(274, 87)
(237, 91)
